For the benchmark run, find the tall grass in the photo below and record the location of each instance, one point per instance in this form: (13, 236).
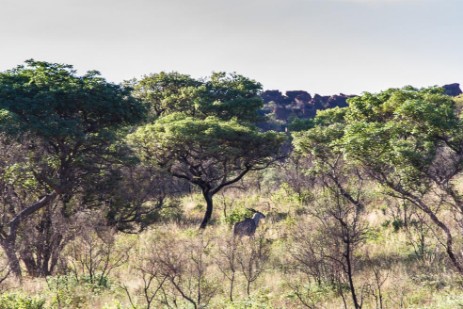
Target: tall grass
(175, 264)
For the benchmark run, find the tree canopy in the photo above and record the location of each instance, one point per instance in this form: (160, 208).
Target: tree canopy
(408, 140)
(214, 143)
(223, 95)
(58, 131)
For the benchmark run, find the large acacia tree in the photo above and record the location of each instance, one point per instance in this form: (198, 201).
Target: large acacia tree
(57, 138)
(214, 143)
(410, 142)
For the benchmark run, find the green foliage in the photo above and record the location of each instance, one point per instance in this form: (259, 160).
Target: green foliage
(211, 153)
(171, 211)
(20, 301)
(321, 143)
(459, 103)
(401, 131)
(298, 124)
(248, 304)
(330, 116)
(287, 195)
(68, 291)
(98, 282)
(312, 294)
(222, 95)
(19, 174)
(8, 121)
(115, 305)
(164, 93)
(61, 139)
(238, 214)
(63, 122)
(49, 100)
(229, 96)
(175, 136)
(397, 224)
(398, 131)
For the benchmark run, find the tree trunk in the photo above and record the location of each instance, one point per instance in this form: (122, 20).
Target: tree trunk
(40, 255)
(350, 275)
(31, 265)
(449, 237)
(232, 285)
(13, 261)
(8, 243)
(432, 215)
(209, 206)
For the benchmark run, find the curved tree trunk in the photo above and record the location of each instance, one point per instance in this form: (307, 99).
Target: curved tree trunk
(457, 263)
(8, 242)
(209, 207)
(449, 241)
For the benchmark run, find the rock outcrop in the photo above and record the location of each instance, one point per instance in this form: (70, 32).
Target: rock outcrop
(299, 103)
(452, 89)
(281, 109)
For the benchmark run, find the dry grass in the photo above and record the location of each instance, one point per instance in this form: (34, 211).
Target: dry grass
(386, 261)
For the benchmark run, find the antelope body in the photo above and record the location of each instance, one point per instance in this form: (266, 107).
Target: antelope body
(248, 226)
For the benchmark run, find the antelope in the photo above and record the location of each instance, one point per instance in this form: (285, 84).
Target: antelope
(248, 227)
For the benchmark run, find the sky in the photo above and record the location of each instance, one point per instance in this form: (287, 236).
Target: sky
(321, 46)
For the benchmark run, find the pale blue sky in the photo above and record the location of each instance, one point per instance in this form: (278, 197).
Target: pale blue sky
(322, 46)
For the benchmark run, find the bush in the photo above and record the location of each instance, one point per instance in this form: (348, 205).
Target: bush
(69, 291)
(238, 214)
(19, 301)
(171, 211)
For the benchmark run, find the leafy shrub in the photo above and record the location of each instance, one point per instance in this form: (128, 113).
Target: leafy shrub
(97, 282)
(237, 214)
(73, 292)
(397, 224)
(172, 210)
(19, 301)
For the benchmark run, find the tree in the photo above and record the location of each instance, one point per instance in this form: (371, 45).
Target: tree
(57, 134)
(205, 132)
(341, 203)
(410, 142)
(329, 252)
(210, 153)
(175, 273)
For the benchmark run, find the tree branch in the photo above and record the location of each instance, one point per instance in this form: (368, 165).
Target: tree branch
(14, 223)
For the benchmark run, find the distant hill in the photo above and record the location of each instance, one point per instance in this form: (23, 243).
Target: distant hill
(281, 109)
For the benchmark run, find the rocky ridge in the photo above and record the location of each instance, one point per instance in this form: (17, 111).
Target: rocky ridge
(283, 108)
